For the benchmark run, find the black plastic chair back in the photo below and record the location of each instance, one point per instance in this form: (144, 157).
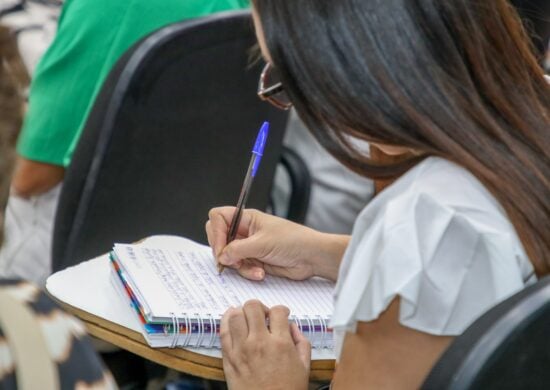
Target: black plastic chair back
(169, 137)
(506, 348)
(536, 18)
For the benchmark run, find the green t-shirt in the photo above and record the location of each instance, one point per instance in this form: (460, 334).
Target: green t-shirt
(92, 36)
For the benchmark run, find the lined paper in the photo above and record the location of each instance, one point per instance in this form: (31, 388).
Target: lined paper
(186, 282)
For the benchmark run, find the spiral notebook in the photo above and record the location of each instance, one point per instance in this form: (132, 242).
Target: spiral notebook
(179, 296)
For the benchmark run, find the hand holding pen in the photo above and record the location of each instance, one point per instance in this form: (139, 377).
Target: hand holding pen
(257, 153)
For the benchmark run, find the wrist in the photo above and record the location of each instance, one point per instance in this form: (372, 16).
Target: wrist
(329, 250)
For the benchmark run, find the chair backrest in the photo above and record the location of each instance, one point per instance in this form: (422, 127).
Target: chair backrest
(536, 18)
(506, 348)
(169, 136)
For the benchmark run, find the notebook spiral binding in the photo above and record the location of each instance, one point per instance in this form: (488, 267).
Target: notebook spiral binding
(201, 329)
(310, 328)
(213, 330)
(323, 331)
(306, 324)
(175, 328)
(187, 338)
(296, 321)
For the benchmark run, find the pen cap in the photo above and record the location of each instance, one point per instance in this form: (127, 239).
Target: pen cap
(259, 146)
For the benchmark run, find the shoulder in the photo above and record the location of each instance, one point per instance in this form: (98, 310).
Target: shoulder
(436, 188)
(448, 183)
(438, 240)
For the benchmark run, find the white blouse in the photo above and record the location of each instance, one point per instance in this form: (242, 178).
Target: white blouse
(440, 241)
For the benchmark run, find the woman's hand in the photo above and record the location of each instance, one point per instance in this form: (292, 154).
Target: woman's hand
(258, 357)
(266, 243)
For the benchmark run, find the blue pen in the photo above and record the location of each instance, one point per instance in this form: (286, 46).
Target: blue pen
(257, 153)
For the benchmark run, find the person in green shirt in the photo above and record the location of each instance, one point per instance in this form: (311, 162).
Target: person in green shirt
(92, 35)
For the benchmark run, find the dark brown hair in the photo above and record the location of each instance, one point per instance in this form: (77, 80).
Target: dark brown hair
(13, 79)
(455, 79)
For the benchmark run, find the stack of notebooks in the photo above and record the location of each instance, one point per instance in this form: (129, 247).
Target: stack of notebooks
(180, 298)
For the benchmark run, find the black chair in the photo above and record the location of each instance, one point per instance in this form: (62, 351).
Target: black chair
(506, 348)
(536, 17)
(300, 185)
(169, 137)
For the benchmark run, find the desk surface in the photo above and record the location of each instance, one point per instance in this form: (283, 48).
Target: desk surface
(179, 359)
(86, 292)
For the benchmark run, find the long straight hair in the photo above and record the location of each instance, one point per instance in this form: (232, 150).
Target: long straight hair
(455, 79)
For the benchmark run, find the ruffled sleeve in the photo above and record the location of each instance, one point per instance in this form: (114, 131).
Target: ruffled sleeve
(448, 266)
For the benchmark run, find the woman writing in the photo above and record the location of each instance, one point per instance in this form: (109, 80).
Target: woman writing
(455, 85)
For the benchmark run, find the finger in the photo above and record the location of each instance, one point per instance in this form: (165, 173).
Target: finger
(282, 272)
(233, 329)
(209, 235)
(228, 212)
(278, 320)
(255, 313)
(252, 269)
(302, 344)
(216, 229)
(253, 247)
(208, 227)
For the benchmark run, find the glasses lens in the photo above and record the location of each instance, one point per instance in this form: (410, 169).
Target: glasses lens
(282, 99)
(271, 77)
(279, 96)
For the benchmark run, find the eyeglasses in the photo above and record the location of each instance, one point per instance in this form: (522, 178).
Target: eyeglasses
(271, 89)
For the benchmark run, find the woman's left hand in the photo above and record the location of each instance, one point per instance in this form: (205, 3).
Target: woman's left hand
(256, 356)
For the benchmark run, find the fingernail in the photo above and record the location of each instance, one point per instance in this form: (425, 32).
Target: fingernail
(259, 274)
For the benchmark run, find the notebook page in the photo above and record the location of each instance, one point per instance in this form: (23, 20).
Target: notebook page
(186, 282)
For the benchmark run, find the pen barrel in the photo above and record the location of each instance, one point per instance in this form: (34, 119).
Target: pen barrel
(243, 197)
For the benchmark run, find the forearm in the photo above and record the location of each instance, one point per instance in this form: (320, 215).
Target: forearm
(329, 250)
(34, 178)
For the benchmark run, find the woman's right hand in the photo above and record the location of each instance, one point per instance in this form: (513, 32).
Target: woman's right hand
(269, 244)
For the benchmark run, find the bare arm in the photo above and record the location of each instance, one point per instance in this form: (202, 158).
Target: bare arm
(34, 178)
(386, 355)
(329, 256)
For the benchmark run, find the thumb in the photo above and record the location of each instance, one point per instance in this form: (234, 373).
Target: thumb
(238, 250)
(302, 345)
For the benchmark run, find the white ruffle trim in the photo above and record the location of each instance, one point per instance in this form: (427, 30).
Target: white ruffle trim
(446, 268)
